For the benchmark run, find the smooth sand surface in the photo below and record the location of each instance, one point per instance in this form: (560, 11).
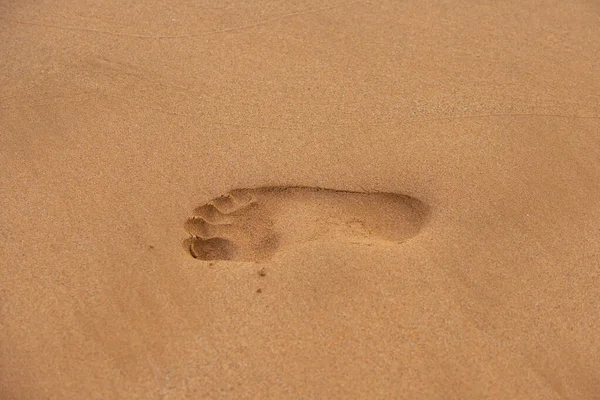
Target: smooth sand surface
(414, 208)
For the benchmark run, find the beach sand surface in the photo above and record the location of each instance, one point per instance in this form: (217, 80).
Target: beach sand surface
(318, 199)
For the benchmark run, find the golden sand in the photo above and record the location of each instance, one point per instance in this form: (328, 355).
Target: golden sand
(364, 199)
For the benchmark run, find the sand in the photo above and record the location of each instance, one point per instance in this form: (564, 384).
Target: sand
(333, 199)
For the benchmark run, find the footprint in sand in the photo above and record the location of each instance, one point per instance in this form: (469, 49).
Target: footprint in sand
(253, 224)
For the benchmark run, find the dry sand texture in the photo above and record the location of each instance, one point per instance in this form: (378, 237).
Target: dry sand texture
(406, 199)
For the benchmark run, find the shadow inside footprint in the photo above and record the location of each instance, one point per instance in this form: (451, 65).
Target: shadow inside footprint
(211, 249)
(253, 224)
